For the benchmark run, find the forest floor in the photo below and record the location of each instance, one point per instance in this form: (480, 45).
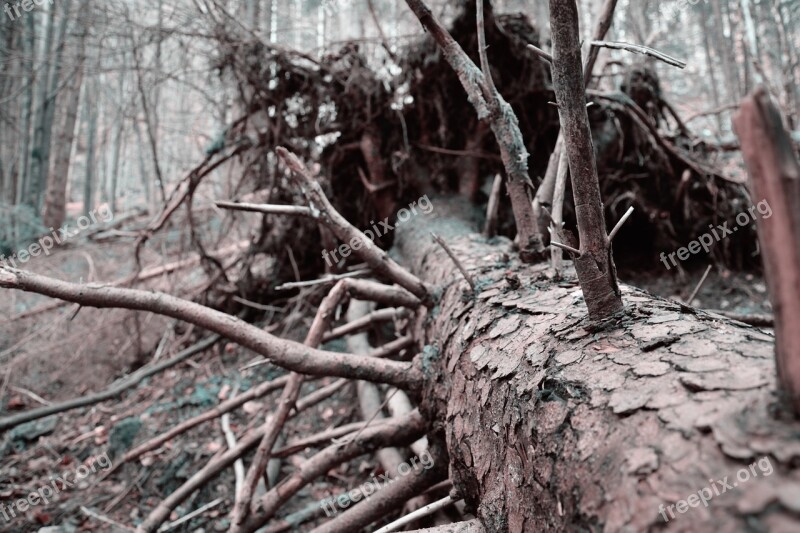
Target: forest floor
(33, 352)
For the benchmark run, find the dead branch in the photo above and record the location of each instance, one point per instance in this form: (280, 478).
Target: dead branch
(332, 278)
(643, 50)
(287, 354)
(441, 242)
(388, 499)
(216, 465)
(375, 317)
(268, 209)
(368, 251)
(275, 422)
(472, 526)
(416, 515)
(112, 392)
(545, 194)
(145, 275)
(402, 432)
(228, 405)
(369, 396)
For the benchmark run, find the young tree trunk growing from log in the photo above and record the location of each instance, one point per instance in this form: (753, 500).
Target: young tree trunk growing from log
(595, 266)
(775, 178)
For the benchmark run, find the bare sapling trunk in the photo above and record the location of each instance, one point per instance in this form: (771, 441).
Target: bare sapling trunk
(594, 265)
(775, 180)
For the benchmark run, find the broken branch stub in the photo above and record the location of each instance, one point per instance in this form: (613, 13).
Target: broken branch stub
(775, 179)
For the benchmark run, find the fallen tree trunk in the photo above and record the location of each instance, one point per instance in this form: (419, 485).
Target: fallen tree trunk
(553, 425)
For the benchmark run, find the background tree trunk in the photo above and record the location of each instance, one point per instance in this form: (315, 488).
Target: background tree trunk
(55, 198)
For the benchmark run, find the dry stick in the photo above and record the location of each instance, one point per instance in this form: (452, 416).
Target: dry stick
(269, 209)
(213, 468)
(321, 281)
(699, 284)
(600, 30)
(565, 247)
(619, 224)
(640, 49)
(455, 259)
(775, 177)
(225, 407)
(112, 392)
(144, 275)
(397, 433)
(488, 82)
(471, 526)
(196, 512)
(388, 499)
(375, 317)
(369, 396)
(502, 120)
(595, 267)
(541, 53)
(285, 353)
(759, 320)
(422, 512)
(275, 422)
(558, 208)
(230, 439)
(361, 288)
(323, 436)
(493, 207)
(105, 519)
(377, 259)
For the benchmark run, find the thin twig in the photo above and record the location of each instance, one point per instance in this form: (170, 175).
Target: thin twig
(321, 281)
(269, 209)
(230, 439)
(196, 512)
(541, 53)
(458, 264)
(493, 208)
(565, 247)
(31, 395)
(346, 442)
(641, 49)
(89, 512)
(619, 224)
(416, 515)
(700, 284)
